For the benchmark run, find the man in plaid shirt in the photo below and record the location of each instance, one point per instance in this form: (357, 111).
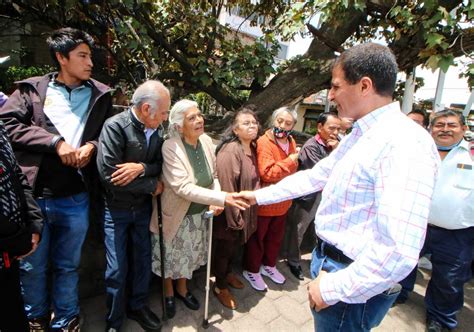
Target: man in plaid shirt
(376, 191)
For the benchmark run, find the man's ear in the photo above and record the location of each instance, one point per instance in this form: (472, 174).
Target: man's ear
(366, 85)
(319, 127)
(61, 58)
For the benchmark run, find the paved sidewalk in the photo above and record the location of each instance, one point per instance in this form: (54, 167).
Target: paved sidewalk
(282, 308)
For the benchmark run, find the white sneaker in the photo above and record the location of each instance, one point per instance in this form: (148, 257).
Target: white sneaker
(255, 280)
(272, 273)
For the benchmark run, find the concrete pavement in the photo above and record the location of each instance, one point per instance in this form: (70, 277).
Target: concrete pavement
(282, 308)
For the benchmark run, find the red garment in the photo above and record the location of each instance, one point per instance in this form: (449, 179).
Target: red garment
(263, 246)
(274, 165)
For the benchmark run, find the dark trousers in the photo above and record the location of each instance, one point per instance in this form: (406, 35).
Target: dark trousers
(347, 317)
(128, 253)
(451, 257)
(12, 312)
(223, 254)
(264, 245)
(299, 221)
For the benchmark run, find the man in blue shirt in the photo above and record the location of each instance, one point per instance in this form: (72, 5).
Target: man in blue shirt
(450, 233)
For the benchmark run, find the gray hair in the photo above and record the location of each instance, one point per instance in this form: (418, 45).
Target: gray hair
(445, 113)
(176, 117)
(281, 110)
(147, 93)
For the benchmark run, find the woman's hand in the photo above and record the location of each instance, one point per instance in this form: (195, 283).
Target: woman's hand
(217, 209)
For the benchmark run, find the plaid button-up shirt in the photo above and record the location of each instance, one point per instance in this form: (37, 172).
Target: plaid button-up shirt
(377, 186)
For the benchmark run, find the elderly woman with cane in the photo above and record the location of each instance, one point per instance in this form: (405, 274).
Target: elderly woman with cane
(190, 186)
(237, 171)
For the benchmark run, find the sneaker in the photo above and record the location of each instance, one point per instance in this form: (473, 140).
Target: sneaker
(73, 325)
(255, 280)
(272, 273)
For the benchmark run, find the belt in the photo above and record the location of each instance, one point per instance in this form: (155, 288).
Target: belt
(332, 252)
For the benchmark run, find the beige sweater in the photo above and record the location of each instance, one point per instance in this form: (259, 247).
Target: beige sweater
(180, 187)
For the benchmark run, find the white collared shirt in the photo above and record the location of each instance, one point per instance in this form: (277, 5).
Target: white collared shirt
(377, 186)
(452, 206)
(148, 131)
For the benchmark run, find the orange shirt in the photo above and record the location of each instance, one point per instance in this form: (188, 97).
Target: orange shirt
(273, 165)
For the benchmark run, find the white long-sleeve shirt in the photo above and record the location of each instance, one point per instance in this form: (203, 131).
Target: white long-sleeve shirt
(377, 187)
(452, 206)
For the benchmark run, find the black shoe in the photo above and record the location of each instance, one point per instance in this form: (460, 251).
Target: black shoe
(145, 318)
(170, 306)
(189, 300)
(111, 329)
(296, 271)
(434, 326)
(399, 300)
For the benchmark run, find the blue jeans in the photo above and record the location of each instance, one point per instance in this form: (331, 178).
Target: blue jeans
(451, 257)
(128, 252)
(65, 227)
(344, 316)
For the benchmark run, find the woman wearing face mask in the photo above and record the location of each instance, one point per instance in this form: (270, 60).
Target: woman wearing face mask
(277, 158)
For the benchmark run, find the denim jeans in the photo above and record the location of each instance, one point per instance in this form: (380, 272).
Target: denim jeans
(65, 227)
(128, 253)
(451, 257)
(344, 316)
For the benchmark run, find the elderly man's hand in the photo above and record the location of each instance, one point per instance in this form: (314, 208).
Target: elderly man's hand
(316, 301)
(247, 196)
(126, 173)
(234, 200)
(159, 188)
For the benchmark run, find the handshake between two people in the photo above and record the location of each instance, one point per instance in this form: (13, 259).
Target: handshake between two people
(242, 200)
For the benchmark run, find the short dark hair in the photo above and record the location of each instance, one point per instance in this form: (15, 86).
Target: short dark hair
(426, 121)
(374, 61)
(323, 117)
(65, 40)
(445, 113)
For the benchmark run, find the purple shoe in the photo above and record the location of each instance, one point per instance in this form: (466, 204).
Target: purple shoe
(272, 273)
(255, 280)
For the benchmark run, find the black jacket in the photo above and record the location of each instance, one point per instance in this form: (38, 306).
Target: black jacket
(20, 216)
(123, 140)
(26, 124)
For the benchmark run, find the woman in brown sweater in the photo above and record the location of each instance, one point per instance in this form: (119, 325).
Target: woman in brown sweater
(236, 171)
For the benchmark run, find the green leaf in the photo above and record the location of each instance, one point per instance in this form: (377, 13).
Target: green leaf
(445, 61)
(434, 39)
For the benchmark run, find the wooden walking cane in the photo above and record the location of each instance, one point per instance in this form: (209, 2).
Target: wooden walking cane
(209, 216)
(162, 257)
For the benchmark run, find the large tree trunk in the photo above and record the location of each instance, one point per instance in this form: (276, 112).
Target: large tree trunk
(299, 81)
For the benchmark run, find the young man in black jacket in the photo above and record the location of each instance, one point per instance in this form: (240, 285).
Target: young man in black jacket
(54, 122)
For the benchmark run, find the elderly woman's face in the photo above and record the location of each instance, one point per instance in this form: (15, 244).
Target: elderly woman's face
(247, 127)
(284, 121)
(193, 123)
